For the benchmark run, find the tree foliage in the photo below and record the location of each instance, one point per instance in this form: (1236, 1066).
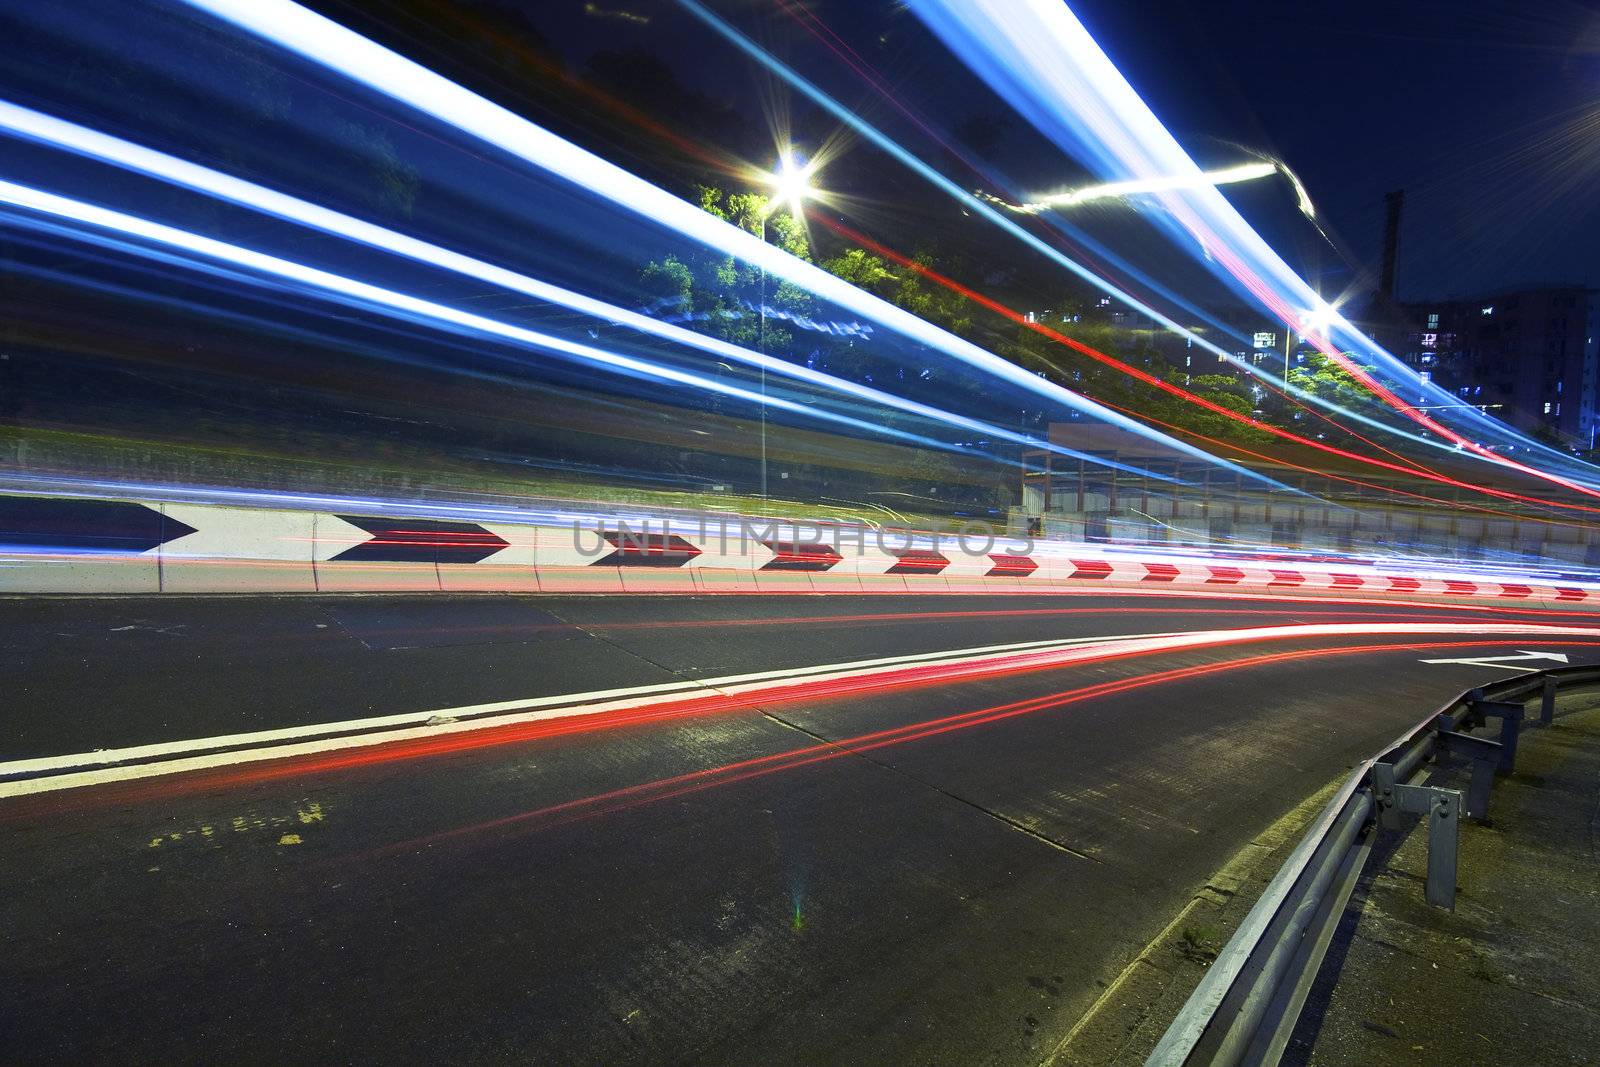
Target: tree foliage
(1327, 380)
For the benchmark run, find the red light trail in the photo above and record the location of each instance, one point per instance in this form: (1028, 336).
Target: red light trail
(1149, 379)
(660, 789)
(273, 763)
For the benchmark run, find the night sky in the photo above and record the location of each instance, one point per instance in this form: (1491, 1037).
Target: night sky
(1486, 113)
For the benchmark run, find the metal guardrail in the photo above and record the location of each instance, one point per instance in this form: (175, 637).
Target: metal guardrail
(1246, 1006)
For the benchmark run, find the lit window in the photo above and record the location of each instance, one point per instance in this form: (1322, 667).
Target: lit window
(1433, 321)
(1487, 310)
(1427, 357)
(1547, 407)
(1427, 375)
(1429, 340)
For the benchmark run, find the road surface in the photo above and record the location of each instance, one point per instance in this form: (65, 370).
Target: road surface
(929, 832)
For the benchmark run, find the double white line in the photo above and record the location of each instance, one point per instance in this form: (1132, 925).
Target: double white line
(52, 773)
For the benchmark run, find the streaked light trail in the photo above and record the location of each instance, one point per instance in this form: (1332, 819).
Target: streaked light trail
(410, 736)
(986, 211)
(331, 45)
(794, 759)
(1244, 172)
(1292, 311)
(1404, 467)
(49, 130)
(1042, 61)
(411, 306)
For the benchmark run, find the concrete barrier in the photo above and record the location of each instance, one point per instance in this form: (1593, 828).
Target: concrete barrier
(105, 546)
(233, 550)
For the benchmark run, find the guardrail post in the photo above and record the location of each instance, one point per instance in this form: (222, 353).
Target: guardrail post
(1485, 757)
(1443, 809)
(1547, 701)
(1383, 798)
(1444, 820)
(1510, 716)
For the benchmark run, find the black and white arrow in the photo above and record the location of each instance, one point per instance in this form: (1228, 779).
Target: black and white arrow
(59, 524)
(801, 556)
(646, 550)
(420, 541)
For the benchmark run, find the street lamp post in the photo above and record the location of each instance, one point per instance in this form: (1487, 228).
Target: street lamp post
(791, 184)
(761, 346)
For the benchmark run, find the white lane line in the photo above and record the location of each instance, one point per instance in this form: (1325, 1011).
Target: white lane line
(101, 757)
(976, 662)
(421, 727)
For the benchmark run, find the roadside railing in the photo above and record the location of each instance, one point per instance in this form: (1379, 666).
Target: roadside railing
(1246, 1006)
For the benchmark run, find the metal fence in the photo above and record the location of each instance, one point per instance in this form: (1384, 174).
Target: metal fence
(1246, 1006)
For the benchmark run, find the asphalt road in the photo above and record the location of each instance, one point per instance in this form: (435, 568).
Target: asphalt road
(916, 873)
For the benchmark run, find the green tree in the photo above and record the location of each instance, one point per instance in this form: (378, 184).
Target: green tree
(1327, 380)
(861, 269)
(724, 297)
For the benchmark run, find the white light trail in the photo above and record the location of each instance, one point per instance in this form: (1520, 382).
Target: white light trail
(1244, 172)
(371, 295)
(345, 52)
(977, 204)
(1037, 55)
(59, 133)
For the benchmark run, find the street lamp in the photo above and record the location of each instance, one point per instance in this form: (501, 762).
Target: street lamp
(1318, 320)
(791, 185)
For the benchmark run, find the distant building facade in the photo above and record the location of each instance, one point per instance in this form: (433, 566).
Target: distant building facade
(1526, 356)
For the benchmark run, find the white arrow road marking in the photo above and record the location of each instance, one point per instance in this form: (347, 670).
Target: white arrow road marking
(1505, 661)
(964, 665)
